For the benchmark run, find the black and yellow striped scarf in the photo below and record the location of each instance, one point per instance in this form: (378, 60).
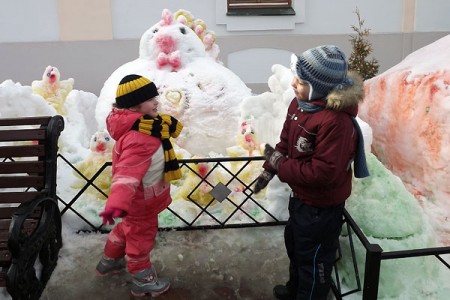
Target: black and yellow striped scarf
(163, 126)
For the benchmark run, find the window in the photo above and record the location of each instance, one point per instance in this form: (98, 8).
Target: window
(259, 7)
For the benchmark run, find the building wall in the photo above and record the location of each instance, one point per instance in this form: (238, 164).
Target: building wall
(87, 40)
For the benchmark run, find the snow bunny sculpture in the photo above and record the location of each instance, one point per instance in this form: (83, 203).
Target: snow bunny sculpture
(247, 138)
(100, 147)
(184, 16)
(52, 89)
(201, 92)
(168, 47)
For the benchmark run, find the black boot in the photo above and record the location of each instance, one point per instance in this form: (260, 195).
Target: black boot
(281, 292)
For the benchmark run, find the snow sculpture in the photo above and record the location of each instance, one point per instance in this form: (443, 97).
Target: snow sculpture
(246, 138)
(212, 49)
(184, 17)
(101, 146)
(190, 83)
(80, 125)
(272, 106)
(408, 107)
(170, 44)
(390, 216)
(19, 101)
(177, 99)
(52, 89)
(208, 37)
(193, 188)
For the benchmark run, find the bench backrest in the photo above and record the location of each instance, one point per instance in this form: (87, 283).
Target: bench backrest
(28, 156)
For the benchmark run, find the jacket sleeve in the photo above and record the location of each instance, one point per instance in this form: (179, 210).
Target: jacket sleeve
(331, 159)
(282, 145)
(130, 168)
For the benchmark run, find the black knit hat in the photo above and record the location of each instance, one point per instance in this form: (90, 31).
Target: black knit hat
(133, 90)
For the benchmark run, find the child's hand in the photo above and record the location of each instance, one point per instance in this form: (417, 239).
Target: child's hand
(109, 214)
(272, 156)
(262, 181)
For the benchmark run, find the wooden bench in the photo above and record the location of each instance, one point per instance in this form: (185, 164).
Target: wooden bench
(30, 221)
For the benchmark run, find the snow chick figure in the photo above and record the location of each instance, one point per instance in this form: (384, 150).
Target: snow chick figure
(318, 143)
(143, 164)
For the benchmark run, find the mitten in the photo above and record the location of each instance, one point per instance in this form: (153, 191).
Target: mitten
(262, 181)
(109, 214)
(272, 156)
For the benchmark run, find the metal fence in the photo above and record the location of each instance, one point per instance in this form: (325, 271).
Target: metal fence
(209, 184)
(373, 258)
(215, 182)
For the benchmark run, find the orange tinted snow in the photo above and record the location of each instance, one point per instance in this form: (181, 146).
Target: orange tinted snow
(409, 115)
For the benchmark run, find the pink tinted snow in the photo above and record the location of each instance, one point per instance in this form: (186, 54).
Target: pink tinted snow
(408, 108)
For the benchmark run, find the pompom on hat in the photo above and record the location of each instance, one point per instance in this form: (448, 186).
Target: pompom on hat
(133, 90)
(323, 67)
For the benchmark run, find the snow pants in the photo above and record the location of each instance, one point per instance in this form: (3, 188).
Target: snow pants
(134, 237)
(312, 238)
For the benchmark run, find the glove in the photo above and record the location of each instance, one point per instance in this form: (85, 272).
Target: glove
(272, 156)
(109, 214)
(262, 181)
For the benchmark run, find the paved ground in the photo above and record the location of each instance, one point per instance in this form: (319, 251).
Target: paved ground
(241, 264)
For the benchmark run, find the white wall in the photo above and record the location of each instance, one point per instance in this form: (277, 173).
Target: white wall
(32, 21)
(432, 15)
(28, 21)
(131, 18)
(88, 40)
(258, 69)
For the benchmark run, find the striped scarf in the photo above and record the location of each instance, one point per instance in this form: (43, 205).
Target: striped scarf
(163, 126)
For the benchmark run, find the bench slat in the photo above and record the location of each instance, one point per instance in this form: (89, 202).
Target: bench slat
(22, 135)
(22, 151)
(6, 213)
(35, 214)
(33, 181)
(29, 226)
(19, 197)
(4, 234)
(5, 258)
(4, 225)
(24, 121)
(2, 279)
(21, 167)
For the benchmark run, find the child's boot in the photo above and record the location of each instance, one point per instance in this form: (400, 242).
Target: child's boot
(147, 282)
(108, 266)
(282, 292)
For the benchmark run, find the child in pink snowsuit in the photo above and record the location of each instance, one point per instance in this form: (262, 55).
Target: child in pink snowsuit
(143, 163)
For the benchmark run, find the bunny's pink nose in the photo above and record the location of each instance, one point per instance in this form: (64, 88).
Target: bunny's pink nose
(166, 43)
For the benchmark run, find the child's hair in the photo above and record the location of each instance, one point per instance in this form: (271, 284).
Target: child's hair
(133, 90)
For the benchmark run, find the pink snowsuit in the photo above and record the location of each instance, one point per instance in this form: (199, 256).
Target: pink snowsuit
(137, 188)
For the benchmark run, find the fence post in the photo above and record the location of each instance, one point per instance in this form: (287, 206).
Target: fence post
(372, 272)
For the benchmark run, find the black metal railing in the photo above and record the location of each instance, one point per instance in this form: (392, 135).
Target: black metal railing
(214, 180)
(374, 256)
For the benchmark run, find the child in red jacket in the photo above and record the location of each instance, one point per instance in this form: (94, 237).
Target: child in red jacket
(319, 141)
(143, 164)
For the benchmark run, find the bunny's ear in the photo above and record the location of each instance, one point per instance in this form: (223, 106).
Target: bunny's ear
(166, 17)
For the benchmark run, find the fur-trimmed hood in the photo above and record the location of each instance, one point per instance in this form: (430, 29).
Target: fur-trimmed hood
(347, 97)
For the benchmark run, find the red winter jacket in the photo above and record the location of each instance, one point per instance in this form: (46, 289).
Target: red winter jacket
(319, 148)
(137, 168)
